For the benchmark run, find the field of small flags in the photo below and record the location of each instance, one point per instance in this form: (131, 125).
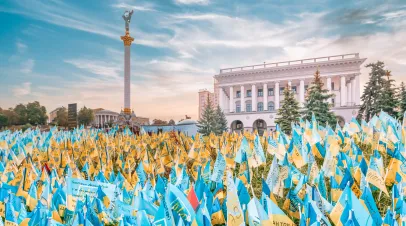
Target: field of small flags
(351, 175)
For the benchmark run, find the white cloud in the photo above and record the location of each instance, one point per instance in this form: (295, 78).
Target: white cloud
(22, 90)
(65, 15)
(108, 69)
(27, 66)
(134, 7)
(199, 45)
(188, 2)
(21, 47)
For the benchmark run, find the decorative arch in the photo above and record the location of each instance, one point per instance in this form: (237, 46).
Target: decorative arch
(237, 126)
(271, 106)
(260, 126)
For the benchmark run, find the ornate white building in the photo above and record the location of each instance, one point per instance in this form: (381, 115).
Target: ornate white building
(251, 95)
(104, 117)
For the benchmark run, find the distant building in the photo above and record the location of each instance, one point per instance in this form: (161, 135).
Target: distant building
(204, 95)
(103, 117)
(141, 121)
(187, 126)
(251, 95)
(53, 114)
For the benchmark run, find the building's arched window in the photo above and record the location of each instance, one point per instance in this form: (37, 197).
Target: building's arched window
(260, 106)
(271, 106)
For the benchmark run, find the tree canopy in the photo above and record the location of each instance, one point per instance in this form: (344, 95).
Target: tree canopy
(288, 112)
(61, 118)
(376, 90)
(212, 120)
(159, 122)
(317, 102)
(85, 116)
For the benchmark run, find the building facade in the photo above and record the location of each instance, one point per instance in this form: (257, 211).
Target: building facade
(204, 96)
(53, 114)
(251, 95)
(103, 117)
(187, 126)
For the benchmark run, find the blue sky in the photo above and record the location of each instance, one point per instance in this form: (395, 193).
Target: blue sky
(61, 52)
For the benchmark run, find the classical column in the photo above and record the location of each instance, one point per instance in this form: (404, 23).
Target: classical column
(302, 93)
(349, 94)
(357, 90)
(221, 98)
(328, 83)
(242, 98)
(342, 91)
(254, 97)
(290, 83)
(276, 95)
(353, 86)
(231, 99)
(265, 97)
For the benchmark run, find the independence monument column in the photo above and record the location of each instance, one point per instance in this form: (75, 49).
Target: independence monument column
(127, 39)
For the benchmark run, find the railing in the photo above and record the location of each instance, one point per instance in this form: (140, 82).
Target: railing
(293, 62)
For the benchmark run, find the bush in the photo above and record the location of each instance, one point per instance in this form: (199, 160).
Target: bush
(26, 126)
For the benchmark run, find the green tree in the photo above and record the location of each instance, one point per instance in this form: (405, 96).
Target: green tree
(206, 124)
(36, 114)
(388, 99)
(372, 98)
(3, 120)
(288, 112)
(402, 100)
(21, 113)
(12, 118)
(159, 122)
(61, 118)
(85, 116)
(317, 103)
(220, 124)
(171, 122)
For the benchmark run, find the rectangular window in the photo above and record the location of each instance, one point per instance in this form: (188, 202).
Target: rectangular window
(270, 92)
(238, 94)
(260, 92)
(281, 90)
(238, 109)
(294, 89)
(260, 106)
(332, 85)
(249, 93)
(333, 101)
(249, 108)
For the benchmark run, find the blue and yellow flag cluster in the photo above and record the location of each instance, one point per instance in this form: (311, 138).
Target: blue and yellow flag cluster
(350, 175)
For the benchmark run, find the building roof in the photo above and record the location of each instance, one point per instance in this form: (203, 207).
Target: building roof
(105, 112)
(187, 122)
(55, 110)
